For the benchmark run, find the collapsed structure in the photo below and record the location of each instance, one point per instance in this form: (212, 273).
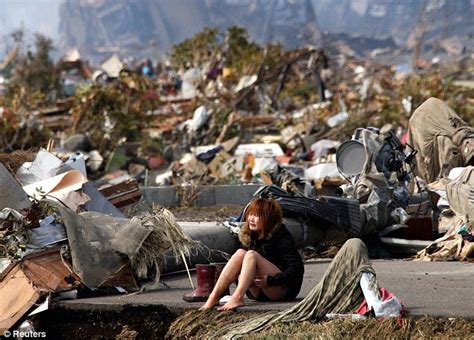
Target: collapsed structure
(64, 226)
(47, 245)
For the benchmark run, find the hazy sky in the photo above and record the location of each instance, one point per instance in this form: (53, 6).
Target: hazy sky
(35, 15)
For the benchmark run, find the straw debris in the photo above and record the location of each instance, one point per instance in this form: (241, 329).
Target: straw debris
(165, 235)
(197, 325)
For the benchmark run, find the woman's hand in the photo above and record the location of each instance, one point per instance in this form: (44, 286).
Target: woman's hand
(260, 281)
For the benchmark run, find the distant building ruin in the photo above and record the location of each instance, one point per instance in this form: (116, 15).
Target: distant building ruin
(149, 27)
(101, 27)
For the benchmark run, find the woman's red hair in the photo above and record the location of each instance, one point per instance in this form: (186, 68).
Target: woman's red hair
(269, 212)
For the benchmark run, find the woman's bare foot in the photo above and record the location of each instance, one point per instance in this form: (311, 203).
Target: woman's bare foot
(210, 303)
(233, 303)
(207, 306)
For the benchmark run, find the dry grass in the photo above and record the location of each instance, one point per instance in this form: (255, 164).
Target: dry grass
(425, 327)
(165, 235)
(188, 194)
(203, 324)
(208, 213)
(12, 161)
(197, 324)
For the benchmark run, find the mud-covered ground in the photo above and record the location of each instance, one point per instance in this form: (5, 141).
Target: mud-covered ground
(127, 322)
(157, 322)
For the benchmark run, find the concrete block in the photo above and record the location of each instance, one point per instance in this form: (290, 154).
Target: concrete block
(235, 194)
(206, 196)
(166, 196)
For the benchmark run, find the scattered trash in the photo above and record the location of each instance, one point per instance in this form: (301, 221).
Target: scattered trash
(341, 159)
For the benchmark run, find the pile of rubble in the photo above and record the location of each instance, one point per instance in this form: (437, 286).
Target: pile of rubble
(64, 237)
(335, 140)
(61, 238)
(165, 123)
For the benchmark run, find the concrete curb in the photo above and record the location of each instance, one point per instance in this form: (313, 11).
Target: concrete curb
(208, 195)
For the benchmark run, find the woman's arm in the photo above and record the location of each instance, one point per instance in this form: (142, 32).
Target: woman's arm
(289, 259)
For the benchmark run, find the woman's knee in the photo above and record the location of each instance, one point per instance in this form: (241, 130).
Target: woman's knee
(239, 254)
(251, 255)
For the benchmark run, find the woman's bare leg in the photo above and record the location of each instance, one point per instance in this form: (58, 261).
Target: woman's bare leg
(229, 274)
(253, 264)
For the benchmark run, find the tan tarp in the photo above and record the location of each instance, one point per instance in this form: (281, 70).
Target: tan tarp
(450, 247)
(443, 140)
(460, 192)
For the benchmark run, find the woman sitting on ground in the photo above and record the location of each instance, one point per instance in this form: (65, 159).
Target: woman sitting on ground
(268, 266)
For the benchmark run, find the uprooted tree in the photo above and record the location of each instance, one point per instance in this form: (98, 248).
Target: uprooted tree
(33, 84)
(115, 112)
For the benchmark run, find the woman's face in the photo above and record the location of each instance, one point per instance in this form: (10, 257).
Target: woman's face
(254, 223)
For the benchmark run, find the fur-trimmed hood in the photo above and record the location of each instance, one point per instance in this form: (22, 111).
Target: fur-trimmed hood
(245, 233)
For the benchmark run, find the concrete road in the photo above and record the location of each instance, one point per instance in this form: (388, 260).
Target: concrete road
(426, 288)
